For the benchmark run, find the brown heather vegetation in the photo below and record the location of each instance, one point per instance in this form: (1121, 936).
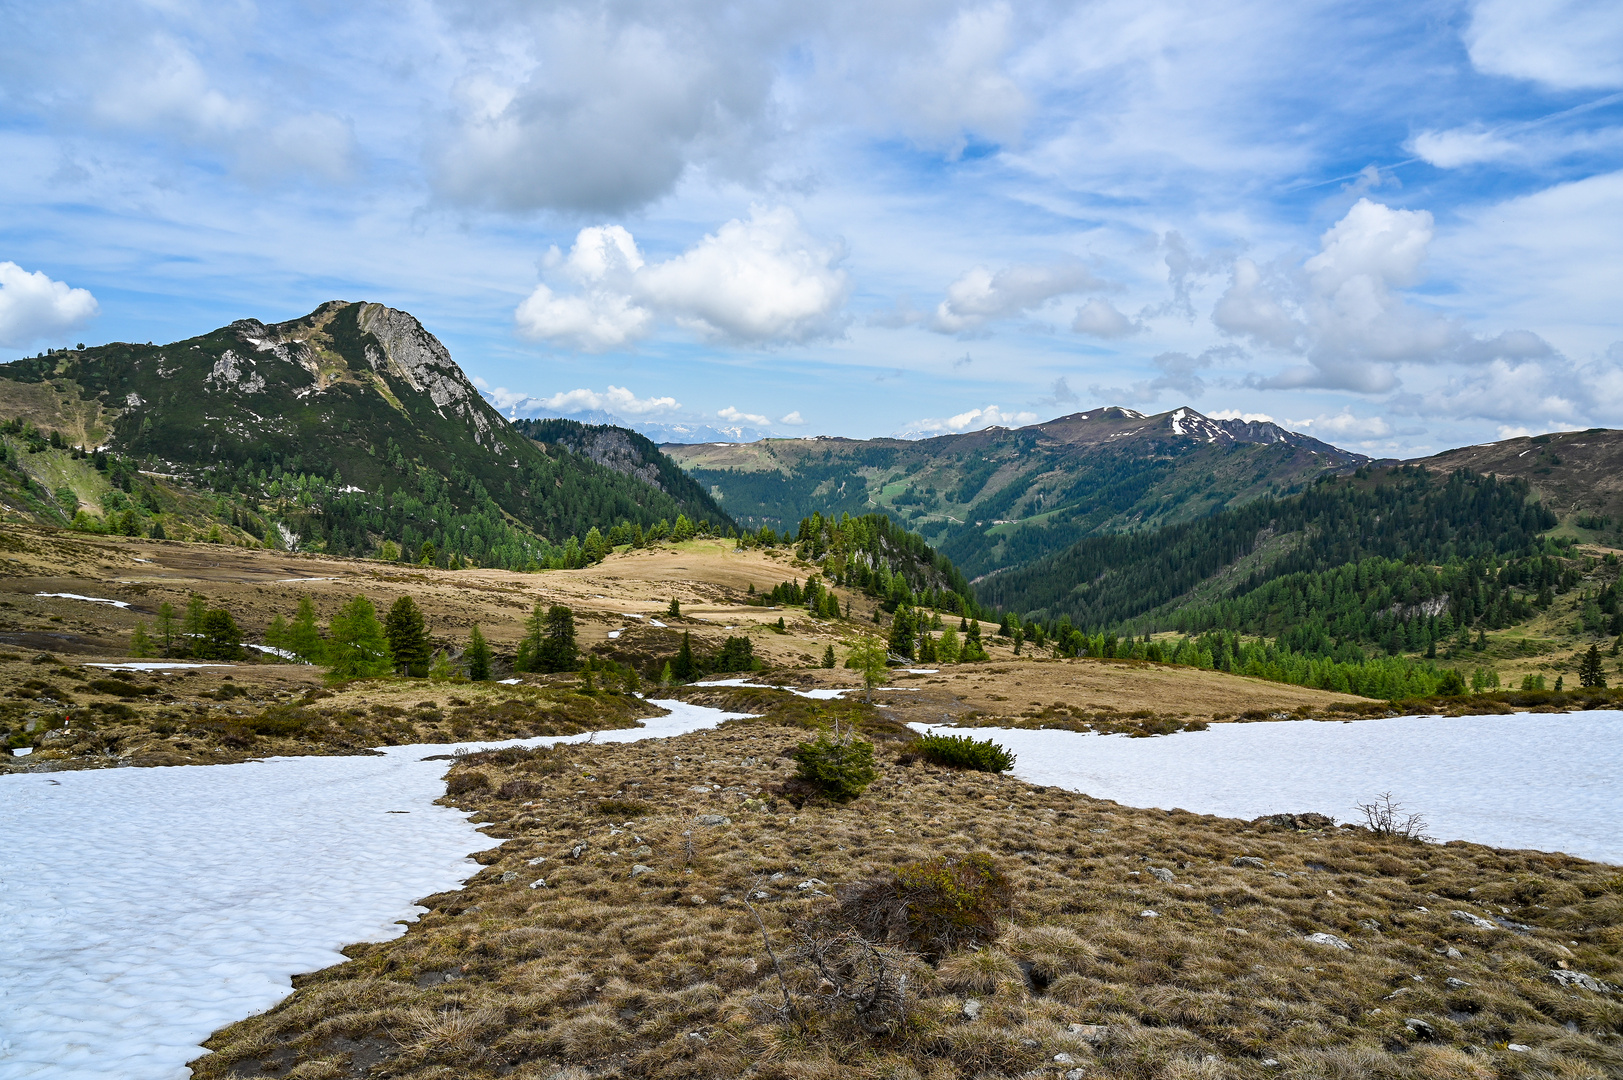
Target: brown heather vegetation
(696, 922)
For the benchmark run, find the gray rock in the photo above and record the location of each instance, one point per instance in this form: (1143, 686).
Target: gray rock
(972, 1008)
(696, 901)
(642, 852)
(1328, 939)
(701, 788)
(1420, 1028)
(1370, 924)
(639, 869)
(1453, 954)
(811, 884)
(1578, 978)
(713, 819)
(1093, 1034)
(1475, 920)
(1148, 914)
(539, 883)
(1519, 1048)
(1161, 873)
(1075, 1074)
(577, 851)
(509, 877)
(1064, 1059)
(1249, 861)
(1455, 984)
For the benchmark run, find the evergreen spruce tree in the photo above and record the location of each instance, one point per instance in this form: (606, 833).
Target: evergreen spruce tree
(683, 669)
(196, 608)
(357, 647)
(408, 637)
(529, 646)
(218, 637)
(947, 649)
(477, 656)
(140, 642)
(557, 651)
(828, 656)
(1589, 670)
(870, 658)
(276, 632)
(166, 627)
(666, 677)
(440, 669)
(303, 639)
(903, 633)
(675, 610)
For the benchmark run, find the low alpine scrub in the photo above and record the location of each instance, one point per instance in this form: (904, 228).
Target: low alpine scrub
(963, 752)
(839, 766)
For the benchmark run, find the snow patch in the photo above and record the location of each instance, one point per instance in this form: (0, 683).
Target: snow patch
(1549, 781)
(154, 665)
(149, 907)
(90, 599)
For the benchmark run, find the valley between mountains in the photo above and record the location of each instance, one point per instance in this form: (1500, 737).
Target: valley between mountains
(316, 538)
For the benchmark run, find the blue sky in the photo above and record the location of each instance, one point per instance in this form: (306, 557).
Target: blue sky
(1393, 226)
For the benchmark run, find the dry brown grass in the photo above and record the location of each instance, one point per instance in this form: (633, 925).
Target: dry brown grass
(604, 973)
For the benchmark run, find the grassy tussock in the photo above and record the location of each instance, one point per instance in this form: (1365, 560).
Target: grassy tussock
(607, 972)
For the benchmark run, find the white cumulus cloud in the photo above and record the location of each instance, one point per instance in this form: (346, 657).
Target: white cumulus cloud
(1248, 417)
(794, 419)
(1101, 319)
(616, 400)
(1567, 44)
(973, 420)
(733, 416)
(33, 307)
(1456, 147)
(758, 282)
(1344, 314)
(981, 295)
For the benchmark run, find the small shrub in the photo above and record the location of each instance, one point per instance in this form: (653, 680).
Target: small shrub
(935, 906)
(460, 783)
(519, 789)
(120, 688)
(622, 810)
(841, 767)
(962, 752)
(280, 721)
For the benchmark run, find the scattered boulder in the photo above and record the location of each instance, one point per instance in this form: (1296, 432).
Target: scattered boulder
(1093, 1034)
(972, 1008)
(1578, 978)
(713, 819)
(1475, 920)
(1297, 821)
(1328, 939)
(1420, 1028)
(1161, 873)
(639, 869)
(509, 877)
(1250, 861)
(1455, 984)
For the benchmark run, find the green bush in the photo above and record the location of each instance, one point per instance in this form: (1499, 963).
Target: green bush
(840, 767)
(962, 752)
(460, 783)
(935, 906)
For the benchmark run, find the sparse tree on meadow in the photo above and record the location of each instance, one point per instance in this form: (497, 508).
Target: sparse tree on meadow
(408, 636)
(357, 647)
(477, 656)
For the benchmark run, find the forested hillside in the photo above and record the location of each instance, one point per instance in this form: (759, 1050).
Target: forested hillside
(1001, 498)
(341, 431)
(1405, 513)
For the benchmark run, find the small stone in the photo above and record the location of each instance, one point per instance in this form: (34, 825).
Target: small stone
(1328, 939)
(1090, 1033)
(1453, 954)
(1160, 873)
(1519, 1048)
(1249, 860)
(1148, 914)
(1064, 1059)
(1455, 984)
(760, 894)
(1475, 920)
(537, 861)
(696, 901)
(642, 852)
(1282, 874)
(509, 877)
(1370, 924)
(1272, 1063)
(1030, 1044)
(713, 819)
(1074, 1074)
(639, 870)
(1420, 1027)
(972, 1008)
(577, 851)
(700, 788)
(1578, 978)
(811, 884)
(539, 883)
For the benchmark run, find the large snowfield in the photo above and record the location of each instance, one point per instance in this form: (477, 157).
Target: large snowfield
(1550, 781)
(146, 908)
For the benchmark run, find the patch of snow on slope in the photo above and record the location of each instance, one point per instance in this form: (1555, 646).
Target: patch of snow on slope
(1550, 781)
(146, 908)
(90, 599)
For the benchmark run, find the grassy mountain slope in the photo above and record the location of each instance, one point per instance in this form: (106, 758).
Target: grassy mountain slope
(1578, 475)
(1005, 497)
(341, 429)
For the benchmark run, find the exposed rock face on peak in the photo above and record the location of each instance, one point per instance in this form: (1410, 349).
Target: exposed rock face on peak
(415, 355)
